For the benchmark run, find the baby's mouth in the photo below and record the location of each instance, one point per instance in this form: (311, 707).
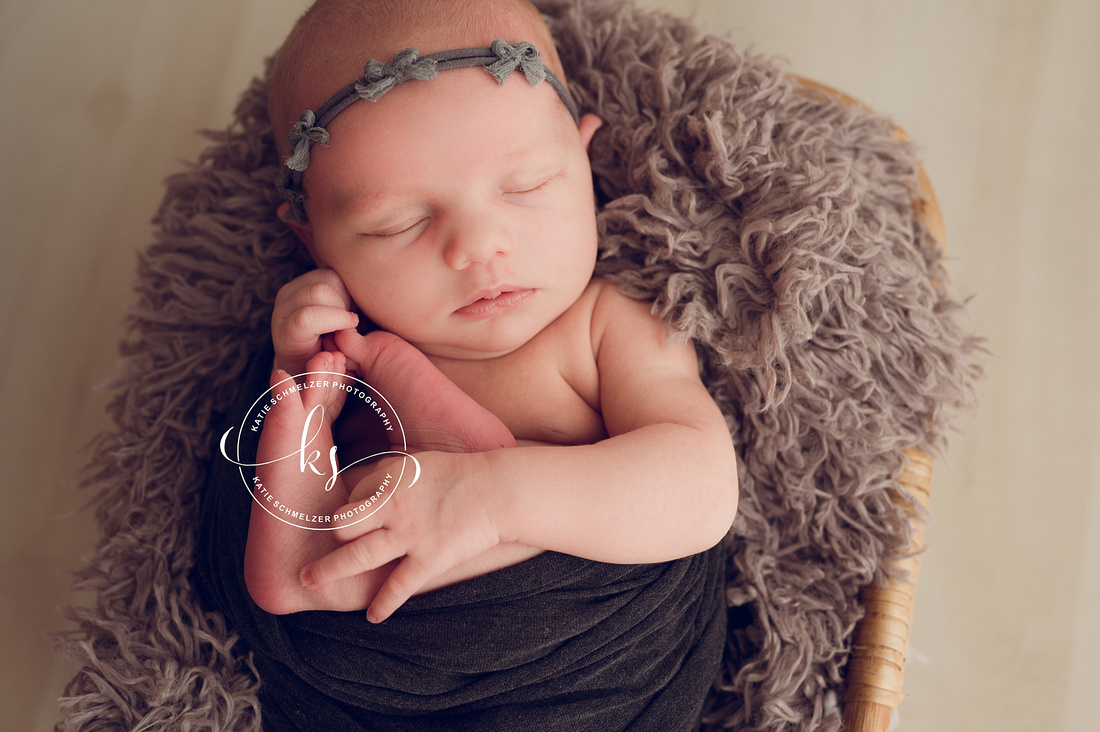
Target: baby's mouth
(495, 302)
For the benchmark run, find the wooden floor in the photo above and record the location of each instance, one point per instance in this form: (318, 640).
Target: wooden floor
(100, 101)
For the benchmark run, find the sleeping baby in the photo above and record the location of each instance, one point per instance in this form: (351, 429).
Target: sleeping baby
(557, 562)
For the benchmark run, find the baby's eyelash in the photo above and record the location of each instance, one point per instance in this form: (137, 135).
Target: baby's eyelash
(537, 186)
(531, 189)
(395, 231)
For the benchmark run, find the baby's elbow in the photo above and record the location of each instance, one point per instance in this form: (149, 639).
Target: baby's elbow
(728, 509)
(722, 507)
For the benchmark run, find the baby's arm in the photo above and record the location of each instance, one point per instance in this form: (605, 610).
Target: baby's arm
(662, 486)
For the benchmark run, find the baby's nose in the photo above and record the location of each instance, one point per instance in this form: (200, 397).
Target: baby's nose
(477, 240)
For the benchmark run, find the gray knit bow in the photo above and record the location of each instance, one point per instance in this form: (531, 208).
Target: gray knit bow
(523, 56)
(379, 78)
(302, 135)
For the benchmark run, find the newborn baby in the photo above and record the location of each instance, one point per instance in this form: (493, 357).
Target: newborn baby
(557, 563)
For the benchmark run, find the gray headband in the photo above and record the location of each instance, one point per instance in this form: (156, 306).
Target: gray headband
(500, 60)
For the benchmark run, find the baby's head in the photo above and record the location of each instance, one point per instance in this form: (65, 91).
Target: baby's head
(458, 210)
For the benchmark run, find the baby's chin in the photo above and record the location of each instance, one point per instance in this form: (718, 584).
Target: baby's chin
(472, 351)
(483, 346)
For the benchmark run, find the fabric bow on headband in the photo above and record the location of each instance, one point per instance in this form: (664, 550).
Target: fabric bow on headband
(521, 56)
(379, 78)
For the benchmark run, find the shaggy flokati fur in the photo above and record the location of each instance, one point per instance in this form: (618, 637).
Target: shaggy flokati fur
(774, 227)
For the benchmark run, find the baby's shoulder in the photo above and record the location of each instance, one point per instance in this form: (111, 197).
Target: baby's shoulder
(574, 341)
(610, 308)
(609, 301)
(602, 302)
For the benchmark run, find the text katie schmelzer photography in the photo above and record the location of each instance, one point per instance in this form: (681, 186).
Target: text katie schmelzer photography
(313, 463)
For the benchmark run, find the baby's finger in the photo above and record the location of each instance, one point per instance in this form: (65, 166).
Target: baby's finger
(322, 286)
(328, 343)
(383, 477)
(366, 497)
(300, 329)
(407, 577)
(332, 280)
(368, 552)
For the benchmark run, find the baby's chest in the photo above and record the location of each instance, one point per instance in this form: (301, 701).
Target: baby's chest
(542, 392)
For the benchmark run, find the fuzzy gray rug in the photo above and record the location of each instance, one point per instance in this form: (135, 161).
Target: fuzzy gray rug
(774, 227)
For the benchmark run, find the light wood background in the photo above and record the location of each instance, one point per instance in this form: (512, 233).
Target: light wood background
(100, 101)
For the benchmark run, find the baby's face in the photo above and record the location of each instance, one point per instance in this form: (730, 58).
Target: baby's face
(459, 213)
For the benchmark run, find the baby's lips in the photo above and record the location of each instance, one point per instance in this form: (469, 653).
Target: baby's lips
(496, 303)
(491, 293)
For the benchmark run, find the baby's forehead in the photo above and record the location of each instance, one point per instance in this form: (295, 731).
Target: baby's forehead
(500, 60)
(372, 162)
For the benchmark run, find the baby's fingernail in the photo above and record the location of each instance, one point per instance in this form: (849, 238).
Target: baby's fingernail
(306, 576)
(372, 616)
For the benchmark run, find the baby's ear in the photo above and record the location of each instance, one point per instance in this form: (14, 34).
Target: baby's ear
(588, 125)
(301, 229)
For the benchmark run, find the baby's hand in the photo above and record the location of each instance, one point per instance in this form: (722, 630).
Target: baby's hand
(307, 308)
(436, 524)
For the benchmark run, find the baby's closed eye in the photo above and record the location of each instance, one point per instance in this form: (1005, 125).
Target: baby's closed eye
(536, 185)
(410, 227)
